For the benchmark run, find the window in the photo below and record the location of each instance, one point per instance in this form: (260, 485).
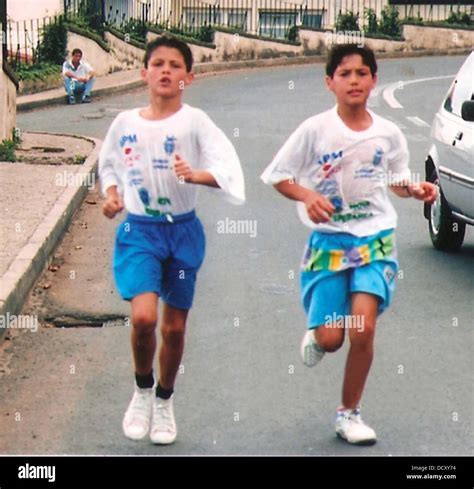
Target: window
(199, 17)
(312, 19)
(237, 19)
(462, 89)
(276, 24)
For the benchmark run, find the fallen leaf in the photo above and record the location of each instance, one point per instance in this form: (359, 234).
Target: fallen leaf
(46, 286)
(53, 268)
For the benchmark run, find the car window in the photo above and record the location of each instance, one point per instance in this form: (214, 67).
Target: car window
(462, 89)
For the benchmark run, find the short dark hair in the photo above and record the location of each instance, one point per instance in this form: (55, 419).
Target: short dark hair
(76, 51)
(170, 42)
(339, 51)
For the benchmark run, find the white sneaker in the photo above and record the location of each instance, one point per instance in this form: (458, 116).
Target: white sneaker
(350, 427)
(136, 422)
(311, 352)
(163, 426)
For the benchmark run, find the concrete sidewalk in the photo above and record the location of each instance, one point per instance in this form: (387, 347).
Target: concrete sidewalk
(38, 199)
(104, 85)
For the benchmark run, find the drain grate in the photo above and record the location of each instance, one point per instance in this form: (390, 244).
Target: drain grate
(88, 322)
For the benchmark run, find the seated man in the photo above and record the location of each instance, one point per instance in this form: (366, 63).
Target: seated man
(78, 78)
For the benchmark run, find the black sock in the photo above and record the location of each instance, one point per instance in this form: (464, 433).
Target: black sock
(145, 381)
(163, 393)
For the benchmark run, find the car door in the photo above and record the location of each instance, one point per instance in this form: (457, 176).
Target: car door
(454, 139)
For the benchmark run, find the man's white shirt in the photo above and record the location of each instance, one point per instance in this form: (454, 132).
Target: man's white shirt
(81, 71)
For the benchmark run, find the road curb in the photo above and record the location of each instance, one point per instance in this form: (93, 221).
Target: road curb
(209, 69)
(32, 259)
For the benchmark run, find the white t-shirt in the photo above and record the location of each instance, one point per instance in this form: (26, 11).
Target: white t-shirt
(138, 156)
(351, 168)
(81, 71)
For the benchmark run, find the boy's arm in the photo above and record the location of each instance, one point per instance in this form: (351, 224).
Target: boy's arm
(318, 207)
(113, 203)
(401, 186)
(109, 180)
(187, 174)
(425, 191)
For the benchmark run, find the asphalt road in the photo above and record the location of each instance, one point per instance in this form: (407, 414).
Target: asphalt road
(243, 389)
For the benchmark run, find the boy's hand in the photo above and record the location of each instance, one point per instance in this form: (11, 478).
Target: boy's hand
(113, 204)
(183, 170)
(318, 207)
(426, 192)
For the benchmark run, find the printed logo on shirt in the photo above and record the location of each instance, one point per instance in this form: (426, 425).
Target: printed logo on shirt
(170, 145)
(135, 178)
(144, 196)
(330, 157)
(378, 157)
(160, 164)
(132, 138)
(364, 173)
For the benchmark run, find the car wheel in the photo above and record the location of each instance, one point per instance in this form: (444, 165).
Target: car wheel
(446, 233)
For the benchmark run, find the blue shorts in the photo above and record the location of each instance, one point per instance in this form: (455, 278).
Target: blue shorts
(326, 294)
(154, 255)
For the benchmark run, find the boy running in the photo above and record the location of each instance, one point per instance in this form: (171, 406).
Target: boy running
(337, 166)
(151, 163)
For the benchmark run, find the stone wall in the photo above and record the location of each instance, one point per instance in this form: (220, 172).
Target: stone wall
(437, 38)
(8, 104)
(125, 55)
(237, 47)
(201, 54)
(415, 38)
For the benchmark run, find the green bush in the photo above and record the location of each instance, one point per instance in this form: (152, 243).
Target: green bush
(372, 24)
(7, 150)
(347, 21)
(136, 29)
(460, 18)
(418, 20)
(89, 15)
(52, 48)
(292, 33)
(206, 33)
(389, 23)
(38, 71)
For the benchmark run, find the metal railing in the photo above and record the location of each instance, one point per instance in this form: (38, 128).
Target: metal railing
(269, 18)
(23, 38)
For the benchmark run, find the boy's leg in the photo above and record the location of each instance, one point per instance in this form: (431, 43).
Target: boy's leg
(173, 326)
(325, 298)
(359, 359)
(330, 338)
(144, 320)
(349, 424)
(136, 422)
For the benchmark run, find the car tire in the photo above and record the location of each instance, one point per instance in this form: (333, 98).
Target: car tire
(447, 234)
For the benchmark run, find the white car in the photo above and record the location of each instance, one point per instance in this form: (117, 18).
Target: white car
(450, 163)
